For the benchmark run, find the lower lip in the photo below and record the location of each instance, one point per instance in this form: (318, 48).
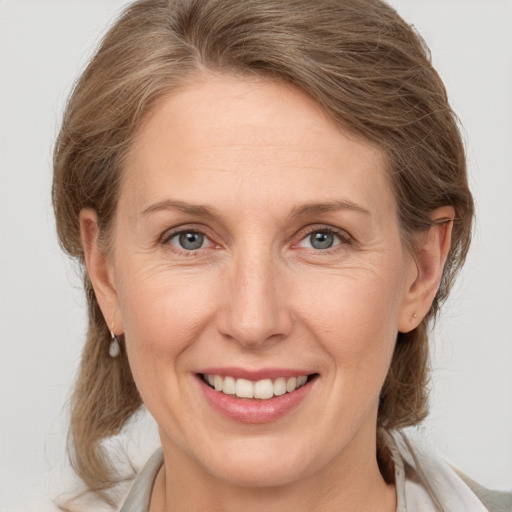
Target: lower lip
(254, 411)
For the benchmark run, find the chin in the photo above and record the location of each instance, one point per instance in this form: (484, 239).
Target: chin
(269, 461)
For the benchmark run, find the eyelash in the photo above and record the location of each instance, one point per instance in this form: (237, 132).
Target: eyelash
(343, 237)
(169, 235)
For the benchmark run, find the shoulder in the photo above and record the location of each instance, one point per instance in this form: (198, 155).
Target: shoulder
(447, 488)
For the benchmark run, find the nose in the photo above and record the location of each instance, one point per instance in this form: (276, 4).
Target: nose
(255, 309)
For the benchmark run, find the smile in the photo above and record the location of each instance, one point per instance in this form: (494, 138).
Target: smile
(261, 389)
(255, 397)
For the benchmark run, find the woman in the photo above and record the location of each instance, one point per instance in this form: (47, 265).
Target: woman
(271, 203)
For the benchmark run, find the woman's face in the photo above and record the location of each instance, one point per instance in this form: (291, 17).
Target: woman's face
(255, 242)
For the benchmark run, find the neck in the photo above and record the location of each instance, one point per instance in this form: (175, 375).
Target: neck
(339, 486)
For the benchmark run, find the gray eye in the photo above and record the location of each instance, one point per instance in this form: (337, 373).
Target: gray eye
(191, 240)
(321, 240)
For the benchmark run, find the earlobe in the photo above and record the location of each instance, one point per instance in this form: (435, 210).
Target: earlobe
(99, 269)
(429, 257)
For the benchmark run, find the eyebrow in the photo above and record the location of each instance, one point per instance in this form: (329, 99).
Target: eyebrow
(192, 209)
(299, 211)
(330, 206)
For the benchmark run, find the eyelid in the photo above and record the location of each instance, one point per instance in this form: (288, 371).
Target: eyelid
(306, 231)
(303, 233)
(170, 233)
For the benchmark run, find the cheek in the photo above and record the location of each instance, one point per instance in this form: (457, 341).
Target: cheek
(354, 315)
(163, 314)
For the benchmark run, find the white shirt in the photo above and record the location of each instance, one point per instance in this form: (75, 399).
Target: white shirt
(424, 481)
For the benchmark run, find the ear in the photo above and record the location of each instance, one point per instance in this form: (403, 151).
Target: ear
(100, 270)
(423, 280)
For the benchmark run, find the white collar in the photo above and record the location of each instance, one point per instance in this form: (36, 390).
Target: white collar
(425, 482)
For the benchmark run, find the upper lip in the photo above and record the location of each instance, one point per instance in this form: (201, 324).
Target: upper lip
(254, 374)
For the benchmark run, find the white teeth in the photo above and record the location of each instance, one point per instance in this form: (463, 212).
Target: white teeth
(218, 382)
(229, 386)
(280, 386)
(264, 389)
(301, 380)
(261, 389)
(291, 384)
(244, 388)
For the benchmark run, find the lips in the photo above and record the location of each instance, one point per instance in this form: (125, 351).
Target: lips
(255, 397)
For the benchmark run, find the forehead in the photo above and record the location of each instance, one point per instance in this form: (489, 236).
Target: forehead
(224, 135)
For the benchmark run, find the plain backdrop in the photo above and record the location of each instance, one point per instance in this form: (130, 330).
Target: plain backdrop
(44, 45)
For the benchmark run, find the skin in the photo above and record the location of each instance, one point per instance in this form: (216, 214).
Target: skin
(257, 294)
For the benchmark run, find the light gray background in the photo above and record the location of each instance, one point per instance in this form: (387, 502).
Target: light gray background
(44, 45)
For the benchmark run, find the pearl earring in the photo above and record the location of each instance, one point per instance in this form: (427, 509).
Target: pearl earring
(114, 349)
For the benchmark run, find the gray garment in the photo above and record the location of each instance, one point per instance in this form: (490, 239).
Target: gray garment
(140, 491)
(424, 482)
(495, 501)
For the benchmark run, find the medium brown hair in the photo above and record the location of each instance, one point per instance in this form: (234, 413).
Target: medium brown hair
(357, 58)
